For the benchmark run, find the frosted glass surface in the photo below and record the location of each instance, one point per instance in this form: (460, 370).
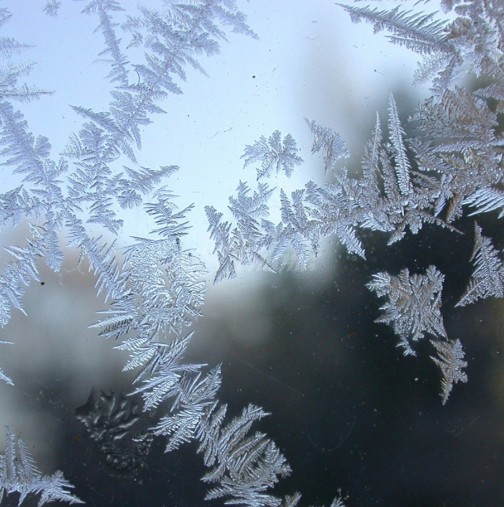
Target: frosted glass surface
(355, 418)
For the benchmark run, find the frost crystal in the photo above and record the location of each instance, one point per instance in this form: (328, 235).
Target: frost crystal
(414, 304)
(450, 359)
(446, 162)
(19, 474)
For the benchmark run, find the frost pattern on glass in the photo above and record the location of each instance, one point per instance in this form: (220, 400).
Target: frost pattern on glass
(450, 359)
(19, 474)
(52, 7)
(487, 279)
(274, 154)
(449, 166)
(413, 306)
(113, 422)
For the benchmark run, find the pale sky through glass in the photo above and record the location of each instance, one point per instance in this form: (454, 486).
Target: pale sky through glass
(310, 62)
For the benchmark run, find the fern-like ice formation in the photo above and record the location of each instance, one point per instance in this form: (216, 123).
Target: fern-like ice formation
(451, 166)
(19, 474)
(155, 287)
(487, 279)
(450, 359)
(414, 304)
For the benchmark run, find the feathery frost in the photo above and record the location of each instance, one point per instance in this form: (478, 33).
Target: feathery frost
(444, 164)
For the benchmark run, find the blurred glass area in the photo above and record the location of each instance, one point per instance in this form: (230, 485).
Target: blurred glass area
(348, 410)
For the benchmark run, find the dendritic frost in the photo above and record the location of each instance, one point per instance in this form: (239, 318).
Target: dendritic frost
(446, 165)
